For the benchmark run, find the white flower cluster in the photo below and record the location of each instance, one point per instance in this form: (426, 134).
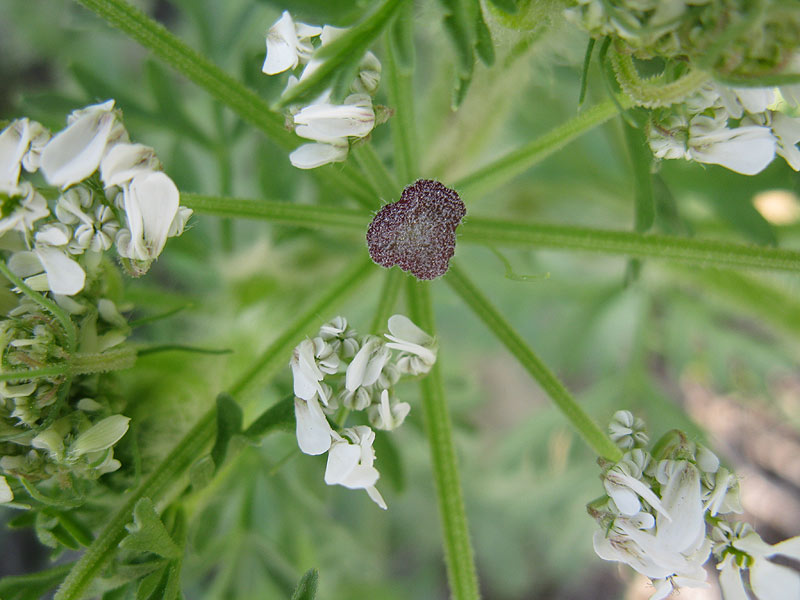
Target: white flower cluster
(132, 204)
(339, 371)
(290, 44)
(738, 128)
(664, 514)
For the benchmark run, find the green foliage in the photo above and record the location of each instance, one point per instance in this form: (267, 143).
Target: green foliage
(307, 586)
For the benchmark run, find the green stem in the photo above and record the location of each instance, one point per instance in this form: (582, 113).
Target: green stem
(197, 68)
(376, 172)
(491, 176)
(458, 549)
(154, 487)
(480, 305)
(198, 439)
(302, 215)
(403, 124)
(114, 359)
(22, 374)
(194, 66)
(387, 300)
(708, 253)
(653, 92)
(45, 303)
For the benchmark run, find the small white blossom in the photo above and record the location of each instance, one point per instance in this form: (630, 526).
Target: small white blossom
(151, 203)
(14, 142)
(311, 156)
(124, 161)
(354, 118)
(288, 44)
(417, 348)
(48, 268)
(367, 364)
(627, 431)
(75, 153)
(768, 580)
(369, 75)
(100, 436)
(312, 428)
(387, 415)
(6, 495)
(39, 137)
(787, 134)
(746, 149)
(350, 462)
(21, 208)
(306, 373)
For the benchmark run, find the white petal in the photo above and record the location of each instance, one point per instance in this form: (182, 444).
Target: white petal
(74, 154)
(790, 548)
(24, 264)
(6, 495)
(331, 121)
(14, 141)
(730, 580)
(342, 459)
(124, 161)
(404, 328)
(53, 235)
(755, 100)
(354, 375)
(627, 502)
(663, 589)
(681, 499)
(311, 156)
(281, 46)
(774, 582)
(313, 431)
(375, 365)
(376, 497)
(151, 203)
(787, 132)
(64, 275)
(746, 150)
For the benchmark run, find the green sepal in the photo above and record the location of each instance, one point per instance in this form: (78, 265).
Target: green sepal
(307, 586)
(147, 533)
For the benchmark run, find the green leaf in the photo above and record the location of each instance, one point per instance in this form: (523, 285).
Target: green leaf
(34, 586)
(459, 25)
(484, 45)
(307, 587)
(401, 38)
(202, 472)
(152, 585)
(278, 416)
(148, 534)
(355, 42)
(79, 532)
(229, 423)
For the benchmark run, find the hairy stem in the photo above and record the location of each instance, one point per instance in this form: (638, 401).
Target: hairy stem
(457, 546)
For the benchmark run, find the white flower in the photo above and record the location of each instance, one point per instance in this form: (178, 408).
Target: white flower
(327, 35)
(6, 495)
(151, 204)
(311, 156)
(124, 161)
(47, 266)
(323, 121)
(288, 44)
(100, 436)
(417, 348)
(306, 373)
(39, 136)
(74, 153)
(787, 133)
(624, 487)
(746, 149)
(367, 364)
(369, 75)
(627, 431)
(179, 222)
(21, 208)
(312, 429)
(388, 416)
(768, 580)
(14, 142)
(350, 462)
(736, 100)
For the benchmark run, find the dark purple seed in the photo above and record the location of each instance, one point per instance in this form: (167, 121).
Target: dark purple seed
(418, 232)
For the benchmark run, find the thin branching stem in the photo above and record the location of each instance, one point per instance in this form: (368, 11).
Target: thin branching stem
(438, 424)
(502, 329)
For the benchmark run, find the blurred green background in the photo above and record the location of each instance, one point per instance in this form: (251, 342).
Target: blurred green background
(711, 352)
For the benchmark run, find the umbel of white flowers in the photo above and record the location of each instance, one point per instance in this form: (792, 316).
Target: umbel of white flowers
(739, 128)
(339, 371)
(111, 192)
(666, 515)
(329, 125)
